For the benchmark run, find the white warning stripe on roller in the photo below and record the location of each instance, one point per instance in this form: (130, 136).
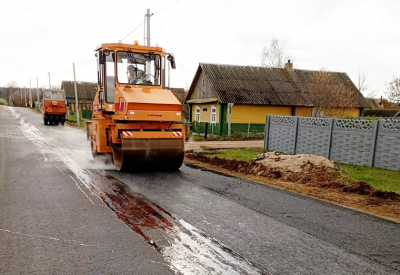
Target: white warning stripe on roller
(127, 133)
(177, 134)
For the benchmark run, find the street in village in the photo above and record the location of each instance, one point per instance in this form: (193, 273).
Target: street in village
(61, 212)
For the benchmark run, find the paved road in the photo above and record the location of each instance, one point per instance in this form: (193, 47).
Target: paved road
(63, 213)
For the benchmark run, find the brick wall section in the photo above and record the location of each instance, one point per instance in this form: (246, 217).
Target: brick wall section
(353, 141)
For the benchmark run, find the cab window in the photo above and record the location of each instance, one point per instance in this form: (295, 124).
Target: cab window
(109, 74)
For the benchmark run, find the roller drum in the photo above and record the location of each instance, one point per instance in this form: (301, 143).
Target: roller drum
(136, 154)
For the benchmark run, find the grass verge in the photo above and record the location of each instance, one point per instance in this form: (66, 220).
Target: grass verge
(3, 101)
(218, 138)
(385, 180)
(382, 179)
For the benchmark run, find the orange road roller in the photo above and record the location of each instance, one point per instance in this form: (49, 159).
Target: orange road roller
(136, 119)
(53, 107)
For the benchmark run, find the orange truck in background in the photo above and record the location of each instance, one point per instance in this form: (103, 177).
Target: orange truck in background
(53, 107)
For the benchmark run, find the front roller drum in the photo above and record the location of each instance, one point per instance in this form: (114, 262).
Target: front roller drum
(137, 154)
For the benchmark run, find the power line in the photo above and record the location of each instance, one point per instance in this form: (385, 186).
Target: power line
(61, 74)
(167, 7)
(166, 40)
(132, 31)
(85, 62)
(151, 15)
(75, 67)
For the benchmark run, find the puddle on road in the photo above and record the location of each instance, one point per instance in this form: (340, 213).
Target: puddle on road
(187, 249)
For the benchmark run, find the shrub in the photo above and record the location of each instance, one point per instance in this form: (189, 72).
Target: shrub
(3, 101)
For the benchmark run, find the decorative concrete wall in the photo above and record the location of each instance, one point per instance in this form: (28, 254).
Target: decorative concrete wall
(354, 141)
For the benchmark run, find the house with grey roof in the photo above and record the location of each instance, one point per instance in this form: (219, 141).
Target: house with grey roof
(255, 92)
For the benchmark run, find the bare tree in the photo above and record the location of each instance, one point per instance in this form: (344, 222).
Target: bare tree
(363, 86)
(393, 90)
(275, 55)
(362, 81)
(331, 95)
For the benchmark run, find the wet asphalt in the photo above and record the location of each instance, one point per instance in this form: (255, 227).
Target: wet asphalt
(52, 222)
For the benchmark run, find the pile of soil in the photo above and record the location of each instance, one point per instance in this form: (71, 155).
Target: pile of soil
(293, 163)
(308, 170)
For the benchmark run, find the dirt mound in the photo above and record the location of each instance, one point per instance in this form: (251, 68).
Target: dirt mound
(309, 170)
(293, 163)
(364, 188)
(305, 170)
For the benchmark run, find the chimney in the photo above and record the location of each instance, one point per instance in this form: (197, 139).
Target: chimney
(289, 66)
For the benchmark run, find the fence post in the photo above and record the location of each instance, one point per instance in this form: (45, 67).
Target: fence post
(332, 121)
(296, 128)
(248, 130)
(206, 131)
(266, 132)
(375, 129)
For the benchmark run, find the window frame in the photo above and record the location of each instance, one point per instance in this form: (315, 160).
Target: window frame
(116, 69)
(105, 78)
(213, 108)
(197, 112)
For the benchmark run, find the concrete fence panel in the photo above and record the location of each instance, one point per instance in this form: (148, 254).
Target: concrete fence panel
(387, 154)
(353, 141)
(282, 134)
(314, 136)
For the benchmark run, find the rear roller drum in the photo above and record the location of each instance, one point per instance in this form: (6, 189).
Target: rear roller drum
(62, 120)
(56, 120)
(45, 119)
(138, 154)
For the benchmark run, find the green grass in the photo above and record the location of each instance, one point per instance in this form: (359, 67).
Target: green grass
(36, 110)
(246, 154)
(224, 138)
(378, 178)
(3, 101)
(72, 120)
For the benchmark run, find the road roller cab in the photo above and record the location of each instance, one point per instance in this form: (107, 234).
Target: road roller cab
(135, 118)
(53, 107)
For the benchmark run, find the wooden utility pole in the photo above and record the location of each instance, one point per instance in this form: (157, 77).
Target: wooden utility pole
(76, 98)
(230, 106)
(37, 89)
(30, 93)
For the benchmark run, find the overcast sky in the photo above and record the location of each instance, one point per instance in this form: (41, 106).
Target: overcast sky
(349, 36)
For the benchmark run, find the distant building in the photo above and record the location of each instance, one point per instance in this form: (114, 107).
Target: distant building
(259, 91)
(181, 94)
(85, 90)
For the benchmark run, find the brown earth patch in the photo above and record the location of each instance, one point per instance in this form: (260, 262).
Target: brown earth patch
(326, 183)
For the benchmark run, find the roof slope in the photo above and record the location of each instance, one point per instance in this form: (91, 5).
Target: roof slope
(266, 86)
(179, 93)
(85, 90)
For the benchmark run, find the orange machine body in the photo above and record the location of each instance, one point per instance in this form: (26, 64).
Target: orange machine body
(136, 113)
(54, 107)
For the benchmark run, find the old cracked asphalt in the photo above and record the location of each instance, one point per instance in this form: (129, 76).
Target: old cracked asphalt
(53, 222)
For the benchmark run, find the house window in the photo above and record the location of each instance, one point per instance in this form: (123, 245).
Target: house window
(213, 114)
(197, 116)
